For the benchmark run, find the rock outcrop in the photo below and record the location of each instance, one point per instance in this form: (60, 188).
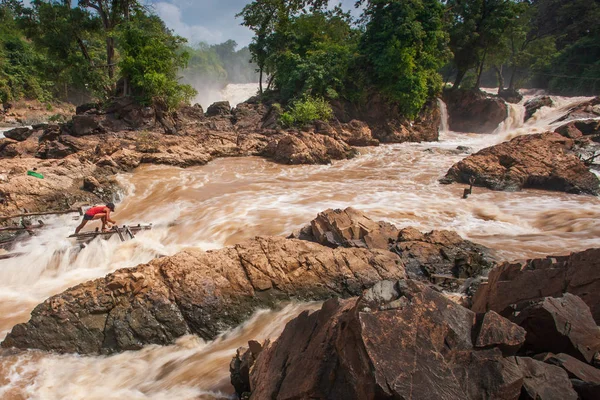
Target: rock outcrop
(387, 123)
(588, 128)
(401, 340)
(197, 292)
(585, 110)
(510, 284)
(561, 325)
(539, 161)
(533, 105)
(442, 257)
(474, 111)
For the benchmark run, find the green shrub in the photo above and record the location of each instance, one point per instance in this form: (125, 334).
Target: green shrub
(305, 111)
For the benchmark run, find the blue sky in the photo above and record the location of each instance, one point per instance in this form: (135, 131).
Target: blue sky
(211, 21)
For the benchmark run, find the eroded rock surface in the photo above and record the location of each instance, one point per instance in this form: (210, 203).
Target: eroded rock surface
(401, 340)
(562, 325)
(442, 257)
(540, 161)
(532, 280)
(197, 292)
(474, 111)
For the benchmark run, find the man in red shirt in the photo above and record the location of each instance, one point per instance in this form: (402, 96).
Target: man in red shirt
(98, 212)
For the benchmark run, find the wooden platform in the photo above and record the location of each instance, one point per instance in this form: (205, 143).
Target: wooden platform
(124, 232)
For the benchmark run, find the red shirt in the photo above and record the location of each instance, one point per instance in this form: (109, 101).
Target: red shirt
(95, 210)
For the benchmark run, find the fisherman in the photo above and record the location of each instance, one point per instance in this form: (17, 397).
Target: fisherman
(98, 212)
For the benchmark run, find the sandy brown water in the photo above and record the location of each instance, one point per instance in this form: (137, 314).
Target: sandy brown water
(230, 200)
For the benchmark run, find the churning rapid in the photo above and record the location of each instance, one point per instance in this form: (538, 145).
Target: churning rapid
(230, 200)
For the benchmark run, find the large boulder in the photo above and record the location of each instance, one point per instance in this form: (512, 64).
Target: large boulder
(386, 121)
(306, 148)
(197, 292)
(582, 128)
(533, 105)
(442, 257)
(585, 378)
(540, 161)
(401, 340)
(532, 280)
(18, 134)
(562, 325)
(474, 111)
(222, 108)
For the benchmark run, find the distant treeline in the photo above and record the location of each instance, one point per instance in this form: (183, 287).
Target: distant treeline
(90, 50)
(308, 52)
(407, 49)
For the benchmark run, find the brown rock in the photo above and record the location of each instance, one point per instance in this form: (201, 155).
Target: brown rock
(495, 330)
(577, 129)
(531, 106)
(91, 184)
(474, 111)
(544, 382)
(18, 134)
(199, 292)
(539, 161)
(218, 108)
(400, 340)
(560, 325)
(306, 148)
(433, 255)
(514, 283)
(575, 368)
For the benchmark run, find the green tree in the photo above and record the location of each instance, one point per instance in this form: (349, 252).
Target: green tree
(404, 45)
(150, 60)
(476, 30)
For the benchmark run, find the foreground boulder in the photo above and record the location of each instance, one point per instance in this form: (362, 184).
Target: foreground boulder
(562, 325)
(401, 340)
(442, 257)
(540, 161)
(474, 111)
(197, 292)
(532, 280)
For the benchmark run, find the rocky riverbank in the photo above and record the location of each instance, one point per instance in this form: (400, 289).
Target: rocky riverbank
(403, 339)
(207, 292)
(80, 158)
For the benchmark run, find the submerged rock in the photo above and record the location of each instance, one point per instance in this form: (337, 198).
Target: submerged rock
(587, 109)
(474, 111)
(197, 292)
(401, 340)
(533, 105)
(539, 161)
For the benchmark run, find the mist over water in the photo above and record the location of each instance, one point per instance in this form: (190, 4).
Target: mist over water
(230, 200)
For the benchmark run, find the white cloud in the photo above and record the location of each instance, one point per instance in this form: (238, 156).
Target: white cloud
(173, 17)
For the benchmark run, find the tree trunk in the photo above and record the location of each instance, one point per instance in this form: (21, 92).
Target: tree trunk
(511, 85)
(260, 80)
(110, 55)
(500, 78)
(459, 77)
(480, 71)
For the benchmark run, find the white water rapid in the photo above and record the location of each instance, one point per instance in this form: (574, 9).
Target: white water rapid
(233, 199)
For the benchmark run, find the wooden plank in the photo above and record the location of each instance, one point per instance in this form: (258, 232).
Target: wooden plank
(7, 217)
(88, 235)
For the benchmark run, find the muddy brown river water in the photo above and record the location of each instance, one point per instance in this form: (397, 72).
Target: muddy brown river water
(230, 200)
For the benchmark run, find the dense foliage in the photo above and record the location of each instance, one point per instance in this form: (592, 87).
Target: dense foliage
(306, 51)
